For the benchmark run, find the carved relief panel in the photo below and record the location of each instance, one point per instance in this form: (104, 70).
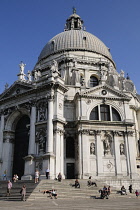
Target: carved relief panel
(42, 111)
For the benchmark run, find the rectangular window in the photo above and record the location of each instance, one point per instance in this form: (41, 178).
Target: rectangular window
(105, 113)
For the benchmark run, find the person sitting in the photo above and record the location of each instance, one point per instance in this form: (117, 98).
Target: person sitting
(59, 177)
(15, 177)
(103, 193)
(123, 190)
(76, 185)
(89, 182)
(137, 193)
(53, 194)
(109, 190)
(46, 191)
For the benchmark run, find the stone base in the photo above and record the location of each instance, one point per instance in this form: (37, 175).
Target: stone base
(27, 177)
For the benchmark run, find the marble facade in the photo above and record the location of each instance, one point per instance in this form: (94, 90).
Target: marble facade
(82, 115)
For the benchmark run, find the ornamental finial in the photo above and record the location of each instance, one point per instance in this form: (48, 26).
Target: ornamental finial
(74, 10)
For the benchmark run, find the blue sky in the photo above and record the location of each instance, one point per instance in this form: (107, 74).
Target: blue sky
(27, 25)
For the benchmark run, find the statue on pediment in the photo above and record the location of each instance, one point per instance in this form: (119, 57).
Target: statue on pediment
(29, 76)
(22, 66)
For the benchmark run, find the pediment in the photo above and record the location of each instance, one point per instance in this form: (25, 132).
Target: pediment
(16, 89)
(104, 91)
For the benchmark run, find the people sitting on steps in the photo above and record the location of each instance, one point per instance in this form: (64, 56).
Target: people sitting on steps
(90, 183)
(53, 194)
(123, 190)
(104, 193)
(59, 177)
(77, 184)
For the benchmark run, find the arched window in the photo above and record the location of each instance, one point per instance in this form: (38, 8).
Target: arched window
(94, 114)
(115, 115)
(107, 113)
(93, 81)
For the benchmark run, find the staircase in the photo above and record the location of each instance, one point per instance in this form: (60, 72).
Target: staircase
(66, 191)
(15, 191)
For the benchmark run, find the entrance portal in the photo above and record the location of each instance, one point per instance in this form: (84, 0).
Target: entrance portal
(70, 171)
(21, 146)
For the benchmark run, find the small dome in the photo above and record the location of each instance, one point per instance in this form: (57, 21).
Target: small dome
(74, 40)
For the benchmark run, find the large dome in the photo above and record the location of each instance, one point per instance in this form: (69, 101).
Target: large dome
(74, 40)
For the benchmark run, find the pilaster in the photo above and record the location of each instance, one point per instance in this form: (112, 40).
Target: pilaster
(32, 130)
(99, 153)
(1, 134)
(117, 153)
(132, 154)
(49, 148)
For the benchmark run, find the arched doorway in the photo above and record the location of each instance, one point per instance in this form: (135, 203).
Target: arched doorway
(21, 145)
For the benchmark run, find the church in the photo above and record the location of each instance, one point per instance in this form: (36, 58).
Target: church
(73, 113)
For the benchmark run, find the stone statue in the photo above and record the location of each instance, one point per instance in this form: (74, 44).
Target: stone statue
(29, 77)
(92, 148)
(41, 144)
(75, 77)
(35, 75)
(122, 73)
(63, 73)
(103, 73)
(42, 114)
(121, 149)
(22, 66)
(107, 147)
(54, 66)
(74, 10)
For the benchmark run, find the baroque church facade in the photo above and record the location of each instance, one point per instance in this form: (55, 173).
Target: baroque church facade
(73, 113)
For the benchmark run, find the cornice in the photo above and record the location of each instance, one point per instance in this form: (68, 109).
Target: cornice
(105, 123)
(136, 108)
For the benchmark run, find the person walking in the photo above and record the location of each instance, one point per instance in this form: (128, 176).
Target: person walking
(9, 186)
(23, 193)
(36, 176)
(47, 173)
(130, 188)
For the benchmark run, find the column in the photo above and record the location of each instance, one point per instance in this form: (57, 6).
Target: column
(99, 149)
(31, 149)
(117, 154)
(132, 155)
(62, 153)
(1, 142)
(8, 148)
(29, 168)
(57, 151)
(80, 155)
(85, 156)
(1, 134)
(49, 148)
(127, 153)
